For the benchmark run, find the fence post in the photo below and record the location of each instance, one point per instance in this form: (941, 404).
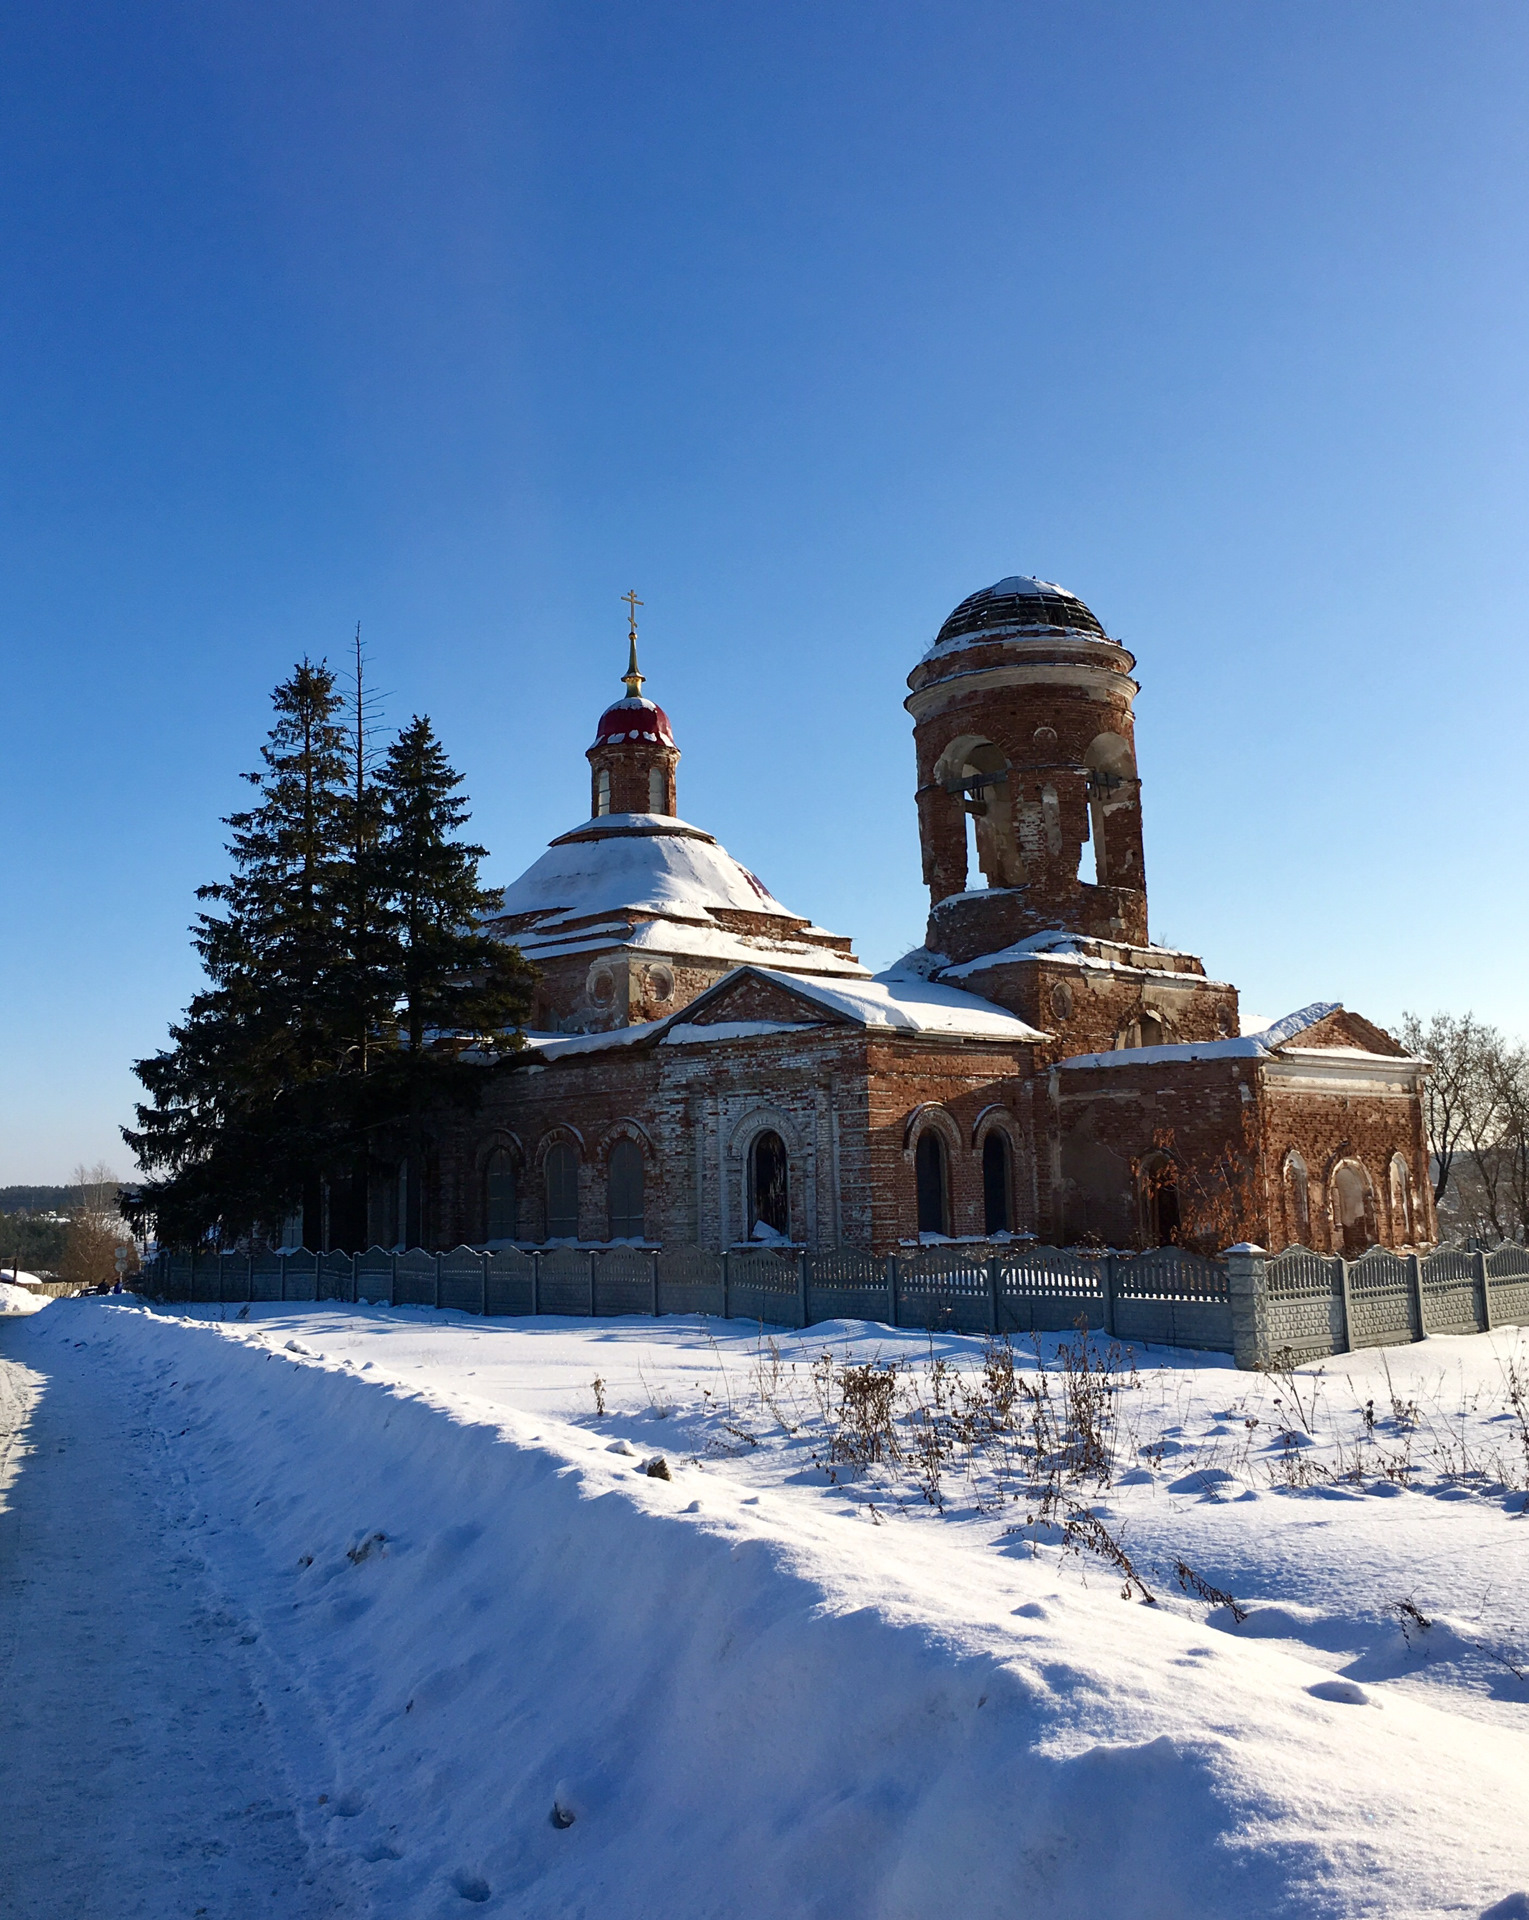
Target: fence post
(1250, 1316)
(994, 1283)
(536, 1283)
(1415, 1282)
(392, 1279)
(801, 1284)
(1348, 1307)
(592, 1258)
(283, 1278)
(727, 1286)
(1486, 1289)
(249, 1276)
(653, 1265)
(483, 1291)
(1107, 1280)
(893, 1291)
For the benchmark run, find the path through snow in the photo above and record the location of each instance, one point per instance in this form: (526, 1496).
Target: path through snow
(138, 1772)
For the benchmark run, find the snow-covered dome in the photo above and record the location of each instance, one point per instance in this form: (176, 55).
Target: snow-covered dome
(644, 862)
(634, 719)
(1016, 604)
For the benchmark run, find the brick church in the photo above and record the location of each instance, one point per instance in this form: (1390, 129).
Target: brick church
(706, 1067)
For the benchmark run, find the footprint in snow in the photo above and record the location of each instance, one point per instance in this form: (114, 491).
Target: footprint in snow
(471, 1886)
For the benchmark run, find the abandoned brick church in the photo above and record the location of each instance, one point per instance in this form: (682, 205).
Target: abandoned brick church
(707, 1067)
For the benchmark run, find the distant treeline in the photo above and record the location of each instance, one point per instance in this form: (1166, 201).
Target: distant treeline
(38, 1199)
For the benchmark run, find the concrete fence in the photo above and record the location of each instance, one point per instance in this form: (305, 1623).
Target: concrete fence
(1262, 1309)
(1166, 1297)
(1302, 1305)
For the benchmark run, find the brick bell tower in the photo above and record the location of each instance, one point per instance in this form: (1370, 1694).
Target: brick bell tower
(1028, 798)
(633, 759)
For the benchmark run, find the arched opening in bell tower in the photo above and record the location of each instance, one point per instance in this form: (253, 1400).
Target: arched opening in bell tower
(974, 773)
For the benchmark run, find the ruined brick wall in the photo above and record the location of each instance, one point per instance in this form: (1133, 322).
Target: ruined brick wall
(840, 1100)
(1365, 1126)
(1095, 1009)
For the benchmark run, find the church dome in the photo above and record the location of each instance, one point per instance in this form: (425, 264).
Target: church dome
(634, 719)
(1016, 605)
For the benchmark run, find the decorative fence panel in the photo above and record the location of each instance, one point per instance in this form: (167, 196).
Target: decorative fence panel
(415, 1280)
(1173, 1298)
(624, 1281)
(849, 1286)
(1508, 1286)
(1452, 1292)
(374, 1276)
(1049, 1289)
(1297, 1305)
(1304, 1313)
(691, 1280)
(566, 1281)
(1382, 1300)
(511, 1282)
(765, 1285)
(947, 1289)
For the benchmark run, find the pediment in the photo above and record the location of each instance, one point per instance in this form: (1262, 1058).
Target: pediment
(1342, 1028)
(746, 995)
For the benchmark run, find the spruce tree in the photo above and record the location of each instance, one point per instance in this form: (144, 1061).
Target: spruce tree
(243, 1119)
(455, 988)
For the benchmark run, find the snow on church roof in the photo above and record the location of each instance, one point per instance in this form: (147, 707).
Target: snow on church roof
(652, 868)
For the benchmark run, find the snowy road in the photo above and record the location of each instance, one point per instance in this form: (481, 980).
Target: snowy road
(138, 1775)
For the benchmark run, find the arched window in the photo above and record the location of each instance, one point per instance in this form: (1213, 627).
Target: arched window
(602, 792)
(561, 1174)
(499, 1195)
(1402, 1230)
(1351, 1208)
(997, 1184)
(626, 1178)
(929, 1177)
(1298, 1198)
(769, 1185)
(1158, 1192)
(656, 793)
(1153, 1032)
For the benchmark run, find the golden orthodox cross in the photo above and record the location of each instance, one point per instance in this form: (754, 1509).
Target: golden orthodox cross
(632, 604)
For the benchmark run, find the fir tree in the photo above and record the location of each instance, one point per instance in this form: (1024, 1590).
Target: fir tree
(455, 988)
(242, 1117)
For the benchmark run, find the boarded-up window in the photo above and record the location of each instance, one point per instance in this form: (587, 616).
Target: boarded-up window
(770, 1188)
(929, 1175)
(996, 1209)
(499, 1195)
(656, 794)
(626, 1177)
(561, 1174)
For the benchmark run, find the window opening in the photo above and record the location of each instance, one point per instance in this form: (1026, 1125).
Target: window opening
(626, 1181)
(995, 1184)
(561, 1173)
(1161, 1222)
(656, 794)
(499, 1195)
(770, 1185)
(602, 792)
(1299, 1190)
(929, 1176)
(1401, 1201)
(1350, 1197)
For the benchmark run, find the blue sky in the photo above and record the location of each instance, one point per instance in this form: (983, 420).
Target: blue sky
(806, 321)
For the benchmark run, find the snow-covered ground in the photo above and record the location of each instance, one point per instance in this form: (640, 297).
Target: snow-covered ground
(1226, 1644)
(18, 1298)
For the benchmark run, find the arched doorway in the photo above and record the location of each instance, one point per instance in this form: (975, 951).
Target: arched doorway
(929, 1178)
(1353, 1228)
(769, 1186)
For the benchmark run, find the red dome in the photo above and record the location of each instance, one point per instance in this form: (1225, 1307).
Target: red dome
(636, 720)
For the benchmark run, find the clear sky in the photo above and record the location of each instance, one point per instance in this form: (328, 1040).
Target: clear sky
(804, 320)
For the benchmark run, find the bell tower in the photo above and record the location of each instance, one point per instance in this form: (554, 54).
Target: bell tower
(1028, 797)
(633, 760)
